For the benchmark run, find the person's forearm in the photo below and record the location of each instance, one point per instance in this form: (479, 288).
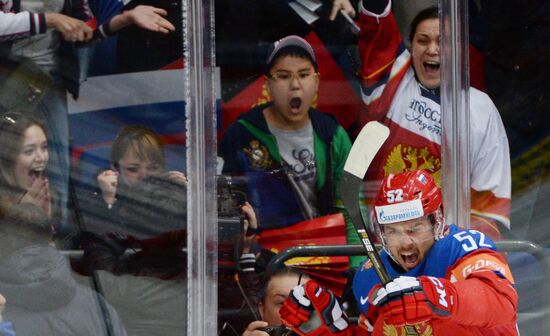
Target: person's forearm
(52, 19)
(119, 22)
(15, 26)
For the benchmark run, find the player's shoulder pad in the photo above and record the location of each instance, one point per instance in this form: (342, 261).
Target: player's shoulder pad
(472, 251)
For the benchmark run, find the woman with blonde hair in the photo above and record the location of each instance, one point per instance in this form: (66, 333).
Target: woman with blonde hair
(137, 152)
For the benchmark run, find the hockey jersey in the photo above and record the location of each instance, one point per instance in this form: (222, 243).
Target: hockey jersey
(393, 95)
(481, 275)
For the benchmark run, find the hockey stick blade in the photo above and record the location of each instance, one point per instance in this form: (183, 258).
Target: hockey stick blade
(364, 149)
(366, 146)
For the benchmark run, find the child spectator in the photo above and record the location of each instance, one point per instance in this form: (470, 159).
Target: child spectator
(291, 154)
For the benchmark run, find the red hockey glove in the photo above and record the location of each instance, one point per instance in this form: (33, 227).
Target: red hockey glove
(314, 311)
(408, 300)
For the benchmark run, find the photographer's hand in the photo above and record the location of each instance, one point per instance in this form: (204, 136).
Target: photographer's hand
(253, 329)
(250, 226)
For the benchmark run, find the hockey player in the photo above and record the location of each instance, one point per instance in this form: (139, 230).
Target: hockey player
(400, 87)
(447, 281)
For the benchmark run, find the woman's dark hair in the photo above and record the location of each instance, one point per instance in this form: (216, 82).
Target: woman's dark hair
(284, 271)
(425, 14)
(143, 141)
(12, 128)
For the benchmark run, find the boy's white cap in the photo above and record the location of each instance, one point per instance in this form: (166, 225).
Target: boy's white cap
(288, 41)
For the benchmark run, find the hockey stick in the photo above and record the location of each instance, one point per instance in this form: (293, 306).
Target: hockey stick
(364, 149)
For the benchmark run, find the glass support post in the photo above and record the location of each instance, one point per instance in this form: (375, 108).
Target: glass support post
(201, 168)
(455, 111)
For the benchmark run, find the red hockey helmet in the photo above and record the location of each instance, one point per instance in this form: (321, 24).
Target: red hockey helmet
(407, 196)
(415, 191)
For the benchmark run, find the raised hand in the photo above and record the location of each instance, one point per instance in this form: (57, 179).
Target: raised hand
(177, 176)
(314, 311)
(409, 300)
(108, 182)
(344, 5)
(39, 195)
(146, 17)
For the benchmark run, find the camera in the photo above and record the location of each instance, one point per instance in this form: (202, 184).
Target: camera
(278, 331)
(231, 196)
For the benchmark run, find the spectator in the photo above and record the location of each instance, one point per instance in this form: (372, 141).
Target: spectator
(24, 165)
(36, 280)
(275, 291)
(154, 221)
(401, 89)
(32, 32)
(137, 152)
(291, 154)
(148, 285)
(446, 281)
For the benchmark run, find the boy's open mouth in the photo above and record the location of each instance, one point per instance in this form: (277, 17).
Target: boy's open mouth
(295, 103)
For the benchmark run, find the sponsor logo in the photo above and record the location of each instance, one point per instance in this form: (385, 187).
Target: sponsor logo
(367, 265)
(483, 264)
(399, 212)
